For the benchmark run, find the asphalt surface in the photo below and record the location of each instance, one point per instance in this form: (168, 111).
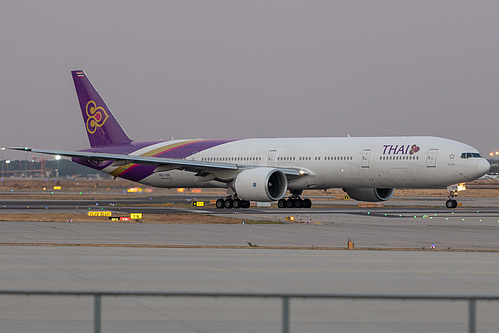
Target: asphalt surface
(102, 256)
(249, 270)
(472, 227)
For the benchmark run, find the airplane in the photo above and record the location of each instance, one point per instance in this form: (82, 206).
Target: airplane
(265, 169)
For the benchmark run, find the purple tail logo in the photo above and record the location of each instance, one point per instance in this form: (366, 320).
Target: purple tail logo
(101, 126)
(97, 116)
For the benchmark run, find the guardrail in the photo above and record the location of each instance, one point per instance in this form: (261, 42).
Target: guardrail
(285, 297)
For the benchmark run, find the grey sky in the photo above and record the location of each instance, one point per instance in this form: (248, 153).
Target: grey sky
(229, 69)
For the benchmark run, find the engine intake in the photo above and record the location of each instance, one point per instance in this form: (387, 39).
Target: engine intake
(370, 194)
(261, 184)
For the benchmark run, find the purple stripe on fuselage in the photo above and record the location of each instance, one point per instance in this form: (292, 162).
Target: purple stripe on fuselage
(191, 148)
(138, 171)
(124, 149)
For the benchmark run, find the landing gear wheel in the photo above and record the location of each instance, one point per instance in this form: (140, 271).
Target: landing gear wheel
(451, 203)
(245, 204)
(220, 203)
(281, 203)
(237, 203)
(228, 203)
(298, 203)
(294, 201)
(307, 203)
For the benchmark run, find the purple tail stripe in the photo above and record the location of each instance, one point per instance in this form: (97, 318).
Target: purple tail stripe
(107, 136)
(101, 126)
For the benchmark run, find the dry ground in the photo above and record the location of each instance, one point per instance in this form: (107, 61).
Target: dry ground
(147, 218)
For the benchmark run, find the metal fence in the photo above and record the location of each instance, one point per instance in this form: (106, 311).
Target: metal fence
(285, 297)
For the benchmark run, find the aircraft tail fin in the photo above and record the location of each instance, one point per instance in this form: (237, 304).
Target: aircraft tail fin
(101, 125)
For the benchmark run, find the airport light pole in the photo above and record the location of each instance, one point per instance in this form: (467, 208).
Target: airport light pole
(57, 158)
(7, 162)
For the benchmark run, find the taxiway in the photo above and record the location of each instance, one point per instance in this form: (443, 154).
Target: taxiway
(289, 257)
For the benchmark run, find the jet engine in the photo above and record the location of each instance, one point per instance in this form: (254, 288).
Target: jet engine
(370, 194)
(261, 184)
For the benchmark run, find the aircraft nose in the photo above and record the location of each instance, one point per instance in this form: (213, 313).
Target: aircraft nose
(483, 166)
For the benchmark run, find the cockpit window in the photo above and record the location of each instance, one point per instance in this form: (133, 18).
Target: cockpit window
(470, 155)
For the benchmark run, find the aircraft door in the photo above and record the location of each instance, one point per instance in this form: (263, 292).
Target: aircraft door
(271, 158)
(366, 156)
(431, 158)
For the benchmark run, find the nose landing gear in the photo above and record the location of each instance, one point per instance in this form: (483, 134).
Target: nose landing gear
(451, 203)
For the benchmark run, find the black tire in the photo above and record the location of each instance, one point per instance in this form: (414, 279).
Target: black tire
(228, 203)
(281, 203)
(220, 203)
(298, 203)
(451, 203)
(290, 203)
(307, 203)
(246, 204)
(237, 203)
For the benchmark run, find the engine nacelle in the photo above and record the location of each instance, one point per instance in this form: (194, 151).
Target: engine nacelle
(261, 184)
(370, 194)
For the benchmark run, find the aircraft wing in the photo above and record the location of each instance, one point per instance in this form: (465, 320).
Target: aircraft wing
(162, 163)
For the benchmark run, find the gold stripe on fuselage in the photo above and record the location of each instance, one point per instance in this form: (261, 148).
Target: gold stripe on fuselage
(153, 152)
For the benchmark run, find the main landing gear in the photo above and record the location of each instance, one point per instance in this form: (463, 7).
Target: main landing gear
(232, 203)
(451, 203)
(294, 201)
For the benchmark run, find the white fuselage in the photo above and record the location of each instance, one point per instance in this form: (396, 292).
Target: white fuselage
(409, 162)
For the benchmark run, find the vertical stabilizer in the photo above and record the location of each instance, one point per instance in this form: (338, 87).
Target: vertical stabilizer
(101, 126)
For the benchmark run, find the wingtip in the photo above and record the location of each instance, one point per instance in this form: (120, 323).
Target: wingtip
(17, 148)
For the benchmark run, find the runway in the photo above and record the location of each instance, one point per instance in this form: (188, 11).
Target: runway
(446, 232)
(372, 272)
(473, 227)
(185, 257)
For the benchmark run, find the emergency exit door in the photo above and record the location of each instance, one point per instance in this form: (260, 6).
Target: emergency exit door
(366, 156)
(431, 158)
(271, 157)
